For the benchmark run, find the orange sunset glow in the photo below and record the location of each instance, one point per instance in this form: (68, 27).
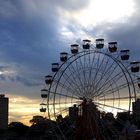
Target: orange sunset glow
(22, 109)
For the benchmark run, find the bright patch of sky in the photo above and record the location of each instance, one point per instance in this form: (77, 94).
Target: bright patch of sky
(22, 109)
(96, 12)
(105, 11)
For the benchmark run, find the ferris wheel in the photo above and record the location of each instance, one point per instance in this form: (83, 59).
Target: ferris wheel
(95, 71)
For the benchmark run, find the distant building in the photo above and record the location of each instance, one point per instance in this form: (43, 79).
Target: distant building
(73, 111)
(136, 109)
(4, 102)
(123, 116)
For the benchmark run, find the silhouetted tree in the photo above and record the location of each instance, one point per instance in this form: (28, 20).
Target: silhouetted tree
(59, 118)
(109, 116)
(37, 119)
(18, 128)
(40, 126)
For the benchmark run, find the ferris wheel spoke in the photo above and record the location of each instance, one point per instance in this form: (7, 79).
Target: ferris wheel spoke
(76, 88)
(118, 108)
(76, 72)
(87, 71)
(90, 71)
(66, 87)
(109, 76)
(120, 75)
(104, 94)
(83, 71)
(119, 87)
(80, 81)
(97, 67)
(115, 98)
(56, 93)
(66, 103)
(73, 79)
(107, 82)
(72, 83)
(105, 79)
(101, 108)
(83, 79)
(104, 73)
(110, 91)
(108, 87)
(70, 80)
(116, 77)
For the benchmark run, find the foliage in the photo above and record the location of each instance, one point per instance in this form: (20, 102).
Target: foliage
(37, 119)
(18, 128)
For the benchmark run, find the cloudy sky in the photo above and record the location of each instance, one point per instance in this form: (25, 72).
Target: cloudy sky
(34, 32)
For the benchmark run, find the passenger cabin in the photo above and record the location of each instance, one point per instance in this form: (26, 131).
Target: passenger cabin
(55, 67)
(99, 43)
(44, 93)
(74, 48)
(63, 56)
(48, 79)
(86, 44)
(112, 47)
(125, 54)
(135, 66)
(43, 107)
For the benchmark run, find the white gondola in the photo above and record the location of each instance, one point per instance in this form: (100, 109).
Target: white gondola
(43, 107)
(125, 54)
(135, 66)
(74, 48)
(112, 47)
(55, 67)
(44, 93)
(48, 79)
(86, 44)
(99, 43)
(63, 56)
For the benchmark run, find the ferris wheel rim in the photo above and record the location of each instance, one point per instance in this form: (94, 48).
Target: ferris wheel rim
(91, 51)
(107, 79)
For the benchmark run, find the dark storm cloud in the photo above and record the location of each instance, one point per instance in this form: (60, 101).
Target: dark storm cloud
(3, 68)
(28, 43)
(71, 4)
(30, 39)
(12, 8)
(23, 45)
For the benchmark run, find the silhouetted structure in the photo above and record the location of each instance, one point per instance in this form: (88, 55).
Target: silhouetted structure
(73, 111)
(3, 111)
(136, 110)
(88, 122)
